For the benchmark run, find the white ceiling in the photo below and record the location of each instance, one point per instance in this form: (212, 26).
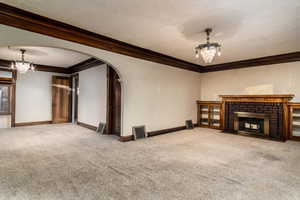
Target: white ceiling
(246, 29)
(44, 55)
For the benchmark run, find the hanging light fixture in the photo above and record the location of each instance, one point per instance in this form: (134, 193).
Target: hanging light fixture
(22, 66)
(208, 51)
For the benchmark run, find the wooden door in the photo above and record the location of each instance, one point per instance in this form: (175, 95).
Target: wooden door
(61, 99)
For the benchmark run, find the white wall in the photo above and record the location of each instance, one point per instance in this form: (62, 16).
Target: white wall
(92, 95)
(270, 79)
(34, 97)
(153, 94)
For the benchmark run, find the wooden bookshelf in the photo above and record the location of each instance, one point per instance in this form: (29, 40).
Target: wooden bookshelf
(209, 114)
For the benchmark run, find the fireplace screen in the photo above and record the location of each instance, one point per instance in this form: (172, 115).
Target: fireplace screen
(251, 123)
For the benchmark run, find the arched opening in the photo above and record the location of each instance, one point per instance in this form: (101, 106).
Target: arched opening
(66, 102)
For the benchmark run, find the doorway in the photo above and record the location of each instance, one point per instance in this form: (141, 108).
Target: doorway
(113, 102)
(61, 99)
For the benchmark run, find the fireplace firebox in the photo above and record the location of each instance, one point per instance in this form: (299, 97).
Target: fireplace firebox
(252, 123)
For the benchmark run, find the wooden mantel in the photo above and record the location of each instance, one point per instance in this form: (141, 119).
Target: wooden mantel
(276, 98)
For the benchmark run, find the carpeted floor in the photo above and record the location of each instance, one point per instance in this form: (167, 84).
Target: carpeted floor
(56, 162)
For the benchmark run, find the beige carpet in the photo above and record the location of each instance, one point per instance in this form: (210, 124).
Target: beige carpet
(69, 162)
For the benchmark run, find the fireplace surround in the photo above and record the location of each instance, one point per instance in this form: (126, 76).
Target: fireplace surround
(262, 115)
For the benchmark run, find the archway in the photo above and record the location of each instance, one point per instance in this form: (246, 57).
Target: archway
(113, 92)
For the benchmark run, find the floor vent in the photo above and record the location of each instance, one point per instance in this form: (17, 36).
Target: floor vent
(189, 124)
(101, 128)
(139, 132)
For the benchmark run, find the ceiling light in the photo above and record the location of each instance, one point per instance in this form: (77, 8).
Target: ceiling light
(22, 66)
(208, 51)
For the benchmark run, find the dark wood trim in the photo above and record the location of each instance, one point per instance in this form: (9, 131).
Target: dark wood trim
(88, 126)
(113, 105)
(13, 99)
(293, 104)
(108, 99)
(164, 131)
(5, 63)
(126, 138)
(154, 133)
(295, 138)
(209, 102)
(92, 62)
(22, 19)
(89, 63)
(75, 78)
(32, 123)
(268, 60)
(43, 68)
(70, 99)
(46, 68)
(6, 80)
(259, 96)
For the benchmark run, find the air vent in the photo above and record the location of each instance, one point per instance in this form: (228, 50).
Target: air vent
(101, 128)
(189, 124)
(139, 132)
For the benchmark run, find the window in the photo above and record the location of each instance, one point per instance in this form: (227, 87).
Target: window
(4, 99)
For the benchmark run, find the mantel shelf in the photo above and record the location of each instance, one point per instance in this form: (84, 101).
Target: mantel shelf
(276, 98)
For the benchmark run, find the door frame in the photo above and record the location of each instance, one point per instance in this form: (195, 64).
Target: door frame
(75, 88)
(12, 84)
(109, 110)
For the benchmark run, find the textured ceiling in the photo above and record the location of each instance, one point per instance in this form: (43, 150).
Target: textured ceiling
(246, 29)
(44, 55)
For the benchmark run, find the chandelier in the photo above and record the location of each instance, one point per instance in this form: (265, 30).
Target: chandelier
(22, 66)
(208, 51)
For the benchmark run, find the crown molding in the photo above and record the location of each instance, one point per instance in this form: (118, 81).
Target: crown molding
(22, 19)
(45, 68)
(268, 60)
(89, 63)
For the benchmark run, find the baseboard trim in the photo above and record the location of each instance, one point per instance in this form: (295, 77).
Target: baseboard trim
(32, 123)
(126, 138)
(88, 126)
(154, 133)
(164, 131)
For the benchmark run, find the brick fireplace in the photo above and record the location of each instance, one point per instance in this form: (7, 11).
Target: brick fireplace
(259, 115)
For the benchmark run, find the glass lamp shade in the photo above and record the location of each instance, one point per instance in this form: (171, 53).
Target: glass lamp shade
(22, 67)
(208, 54)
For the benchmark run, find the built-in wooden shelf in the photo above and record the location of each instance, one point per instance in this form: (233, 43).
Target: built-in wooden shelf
(294, 121)
(209, 114)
